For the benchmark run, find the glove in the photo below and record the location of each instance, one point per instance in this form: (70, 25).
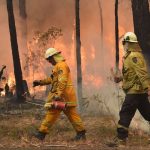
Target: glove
(48, 105)
(57, 98)
(36, 83)
(117, 79)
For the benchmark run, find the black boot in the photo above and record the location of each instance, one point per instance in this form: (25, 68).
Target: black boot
(80, 136)
(39, 135)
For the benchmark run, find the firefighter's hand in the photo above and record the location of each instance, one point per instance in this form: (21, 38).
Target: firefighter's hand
(57, 98)
(116, 75)
(36, 83)
(48, 105)
(117, 79)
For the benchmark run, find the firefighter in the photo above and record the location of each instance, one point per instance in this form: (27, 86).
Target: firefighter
(136, 85)
(61, 97)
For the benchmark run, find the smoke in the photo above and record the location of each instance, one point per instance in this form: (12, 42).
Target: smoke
(5, 50)
(43, 15)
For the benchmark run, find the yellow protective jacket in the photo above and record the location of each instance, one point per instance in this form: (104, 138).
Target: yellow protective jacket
(61, 84)
(135, 75)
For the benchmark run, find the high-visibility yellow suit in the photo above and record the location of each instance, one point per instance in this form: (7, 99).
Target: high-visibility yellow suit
(63, 88)
(136, 79)
(136, 83)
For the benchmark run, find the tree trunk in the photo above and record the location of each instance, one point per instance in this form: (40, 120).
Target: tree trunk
(15, 52)
(141, 19)
(102, 39)
(117, 34)
(22, 9)
(23, 15)
(78, 54)
(101, 21)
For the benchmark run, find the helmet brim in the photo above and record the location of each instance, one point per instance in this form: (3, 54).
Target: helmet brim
(53, 55)
(130, 41)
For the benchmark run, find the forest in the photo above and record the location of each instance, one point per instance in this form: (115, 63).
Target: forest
(88, 34)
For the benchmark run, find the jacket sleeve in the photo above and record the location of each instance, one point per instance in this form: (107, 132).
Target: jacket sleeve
(46, 81)
(63, 72)
(139, 65)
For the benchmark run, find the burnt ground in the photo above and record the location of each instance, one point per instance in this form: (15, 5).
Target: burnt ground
(17, 124)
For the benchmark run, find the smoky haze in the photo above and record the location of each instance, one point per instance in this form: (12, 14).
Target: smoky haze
(96, 62)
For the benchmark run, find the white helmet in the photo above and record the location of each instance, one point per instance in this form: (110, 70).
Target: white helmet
(130, 37)
(50, 52)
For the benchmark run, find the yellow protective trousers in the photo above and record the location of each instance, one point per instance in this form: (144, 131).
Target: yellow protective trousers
(53, 114)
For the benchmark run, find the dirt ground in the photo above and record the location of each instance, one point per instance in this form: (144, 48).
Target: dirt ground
(16, 126)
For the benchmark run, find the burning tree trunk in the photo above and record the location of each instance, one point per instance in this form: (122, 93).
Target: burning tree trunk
(78, 53)
(117, 34)
(141, 19)
(15, 52)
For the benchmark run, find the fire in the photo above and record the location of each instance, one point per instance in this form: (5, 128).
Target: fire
(10, 82)
(89, 61)
(87, 56)
(95, 62)
(2, 93)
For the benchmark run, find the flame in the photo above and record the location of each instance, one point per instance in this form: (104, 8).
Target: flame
(87, 56)
(11, 83)
(2, 93)
(94, 61)
(11, 80)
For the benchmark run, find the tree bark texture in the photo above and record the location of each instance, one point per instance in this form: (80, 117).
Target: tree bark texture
(22, 8)
(78, 54)
(15, 52)
(141, 19)
(116, 34)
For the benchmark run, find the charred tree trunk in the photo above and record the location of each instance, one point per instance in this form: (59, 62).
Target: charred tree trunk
(78, 53)
(22, 9)
(23, 15)
(15, 52)
(102, 38)
(117, 34)
(141, 19)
